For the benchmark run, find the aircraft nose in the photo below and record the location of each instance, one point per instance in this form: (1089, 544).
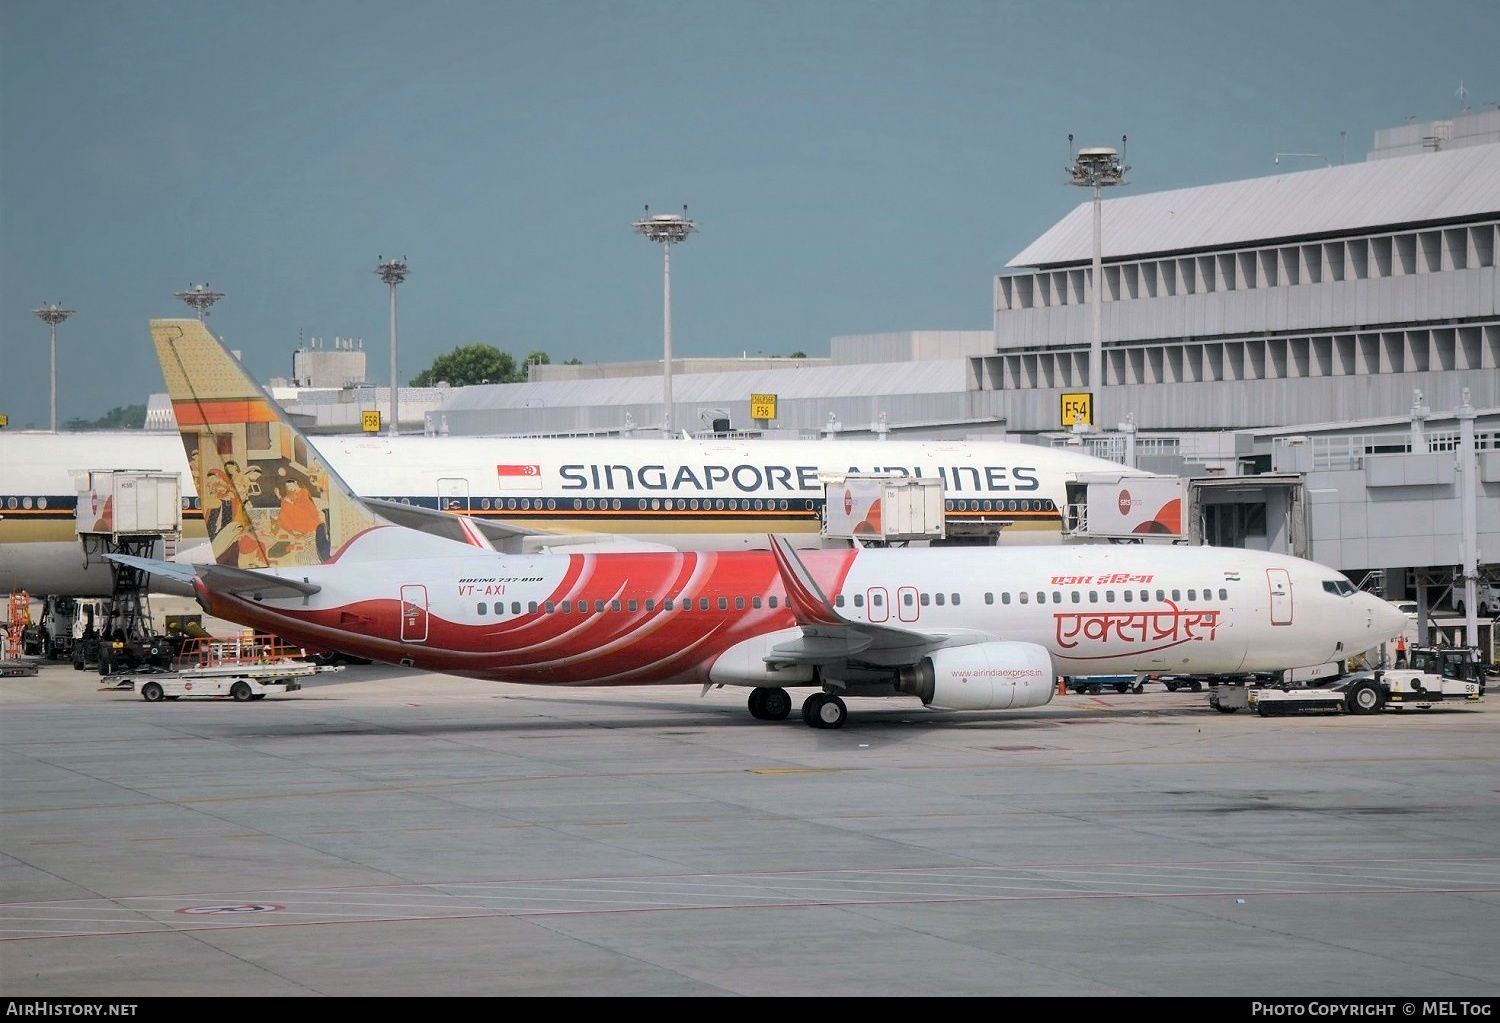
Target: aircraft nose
(1389, 619)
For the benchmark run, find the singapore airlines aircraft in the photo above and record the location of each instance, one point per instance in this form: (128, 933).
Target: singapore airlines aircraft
(552, 495)
(958, 629)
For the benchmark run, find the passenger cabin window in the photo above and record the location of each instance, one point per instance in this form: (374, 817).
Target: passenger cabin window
(859, 600)
(482, 608)
(877, 600)
(939, 598)
(926, 599)
(1021, 596)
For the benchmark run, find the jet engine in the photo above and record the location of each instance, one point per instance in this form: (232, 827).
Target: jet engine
(983, 676)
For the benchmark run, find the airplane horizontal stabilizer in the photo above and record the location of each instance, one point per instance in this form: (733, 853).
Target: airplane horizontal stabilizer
(505, 537)
(222, 578)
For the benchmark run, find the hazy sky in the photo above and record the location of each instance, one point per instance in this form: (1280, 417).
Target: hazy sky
(855, 165)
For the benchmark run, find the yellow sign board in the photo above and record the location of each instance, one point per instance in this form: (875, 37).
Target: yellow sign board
(4, 419)
(1078, 407)
(762, 406)
(369, 422)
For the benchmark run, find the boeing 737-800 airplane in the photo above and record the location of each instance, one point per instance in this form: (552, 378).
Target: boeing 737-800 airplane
(551, 494)
(970, 629)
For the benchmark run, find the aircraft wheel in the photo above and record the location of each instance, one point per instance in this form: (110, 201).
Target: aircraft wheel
(776, 705)
(240, 691)
(824, 710)
(810, 708)
(1139, 687)
(757, 704)
(1364, 698)
(151, 692)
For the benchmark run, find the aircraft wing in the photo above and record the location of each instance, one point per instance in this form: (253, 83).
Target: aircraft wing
(828, 636)
(222, 578)
(503, 536)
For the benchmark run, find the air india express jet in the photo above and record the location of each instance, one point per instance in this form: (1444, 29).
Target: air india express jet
(984, 628)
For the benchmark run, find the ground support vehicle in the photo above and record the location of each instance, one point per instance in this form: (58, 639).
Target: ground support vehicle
(51, 637)
(241, 669)
(1099, 683)
(1434, 675)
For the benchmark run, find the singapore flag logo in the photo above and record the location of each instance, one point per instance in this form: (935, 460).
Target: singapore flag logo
(519, 477)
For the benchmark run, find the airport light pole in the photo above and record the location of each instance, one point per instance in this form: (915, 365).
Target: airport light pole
(52, 315)
(393, 272)
(1098, 168)
(200, 298)
(669, 229)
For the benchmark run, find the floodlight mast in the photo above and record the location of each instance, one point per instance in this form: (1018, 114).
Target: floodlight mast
(393, 272)
(200, 297)
(52, 315)
(1098, 168)
(668, 229)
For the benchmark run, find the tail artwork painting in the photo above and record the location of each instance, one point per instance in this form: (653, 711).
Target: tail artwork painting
(298, 554)
(269, 500)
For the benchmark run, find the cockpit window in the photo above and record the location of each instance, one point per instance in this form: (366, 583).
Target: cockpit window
(1339, 587)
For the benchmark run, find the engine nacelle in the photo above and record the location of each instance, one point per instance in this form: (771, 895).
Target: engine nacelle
(984, 676)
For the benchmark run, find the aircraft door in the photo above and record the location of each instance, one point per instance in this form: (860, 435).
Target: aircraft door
(413, 613)
(907, 607)
(1279, 582)
(453, 494)
(878, 605)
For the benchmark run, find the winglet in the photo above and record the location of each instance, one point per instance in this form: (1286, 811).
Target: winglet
(803, 594)
(269, 498)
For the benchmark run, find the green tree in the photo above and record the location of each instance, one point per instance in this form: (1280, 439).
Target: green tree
(471, 364)
(130, 417)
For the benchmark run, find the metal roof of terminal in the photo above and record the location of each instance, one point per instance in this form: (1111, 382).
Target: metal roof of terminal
(936, 376)
(1353, 197)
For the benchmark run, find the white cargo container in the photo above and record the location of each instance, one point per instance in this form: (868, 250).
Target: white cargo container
(1125, 506)
(882, 507)
(126, 502)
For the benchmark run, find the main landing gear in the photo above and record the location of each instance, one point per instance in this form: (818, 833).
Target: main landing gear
(770, 704)
(820, 710)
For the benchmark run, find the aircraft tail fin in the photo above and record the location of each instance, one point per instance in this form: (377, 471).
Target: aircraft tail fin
(269, 499)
